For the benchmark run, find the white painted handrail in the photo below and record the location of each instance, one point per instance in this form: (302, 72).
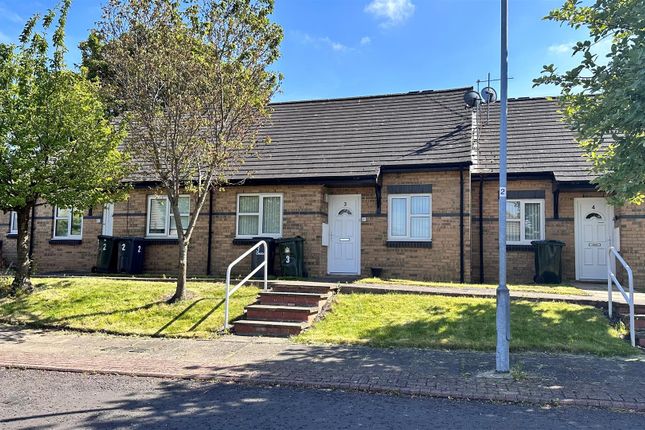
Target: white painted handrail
(230, 291)
(629, 298)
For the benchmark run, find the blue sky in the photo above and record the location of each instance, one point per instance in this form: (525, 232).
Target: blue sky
(338, 48)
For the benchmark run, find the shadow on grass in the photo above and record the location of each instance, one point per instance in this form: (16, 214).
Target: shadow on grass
(177, 317)
(461, 325)
(208, 314)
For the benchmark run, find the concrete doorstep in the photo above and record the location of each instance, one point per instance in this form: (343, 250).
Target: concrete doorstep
(536, 378)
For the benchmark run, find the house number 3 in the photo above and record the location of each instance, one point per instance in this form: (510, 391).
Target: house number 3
(287, 259)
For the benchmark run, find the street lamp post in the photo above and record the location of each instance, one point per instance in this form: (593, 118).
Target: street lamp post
(503, 321)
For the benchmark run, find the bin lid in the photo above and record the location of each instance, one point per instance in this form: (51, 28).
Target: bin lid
(547, 243)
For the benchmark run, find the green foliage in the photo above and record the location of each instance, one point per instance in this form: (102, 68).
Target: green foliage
(194, 78)
(605, 97)
(125, 307)
(57, 144)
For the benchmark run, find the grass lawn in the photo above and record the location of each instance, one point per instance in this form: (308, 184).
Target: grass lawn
(126, 307)
(406, 320)
(550, 289)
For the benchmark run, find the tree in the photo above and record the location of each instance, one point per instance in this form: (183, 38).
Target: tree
(605, 97)
(193, 78)
(56, 144)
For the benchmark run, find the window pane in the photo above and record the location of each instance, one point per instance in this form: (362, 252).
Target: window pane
(184, 205)
(248, 225)
(77, 221)
(420, 228)
(399, 215)
(61, 227)
(62, 212)
(512, 210)
(271, 215)
(532, 216)
(512, 231)
(13, 227)
(420, 205)
(157, 216)
(249, 204)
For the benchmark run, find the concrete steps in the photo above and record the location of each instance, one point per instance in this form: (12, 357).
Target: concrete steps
(285, 310)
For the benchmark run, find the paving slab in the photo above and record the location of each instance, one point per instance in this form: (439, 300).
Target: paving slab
(538, 378)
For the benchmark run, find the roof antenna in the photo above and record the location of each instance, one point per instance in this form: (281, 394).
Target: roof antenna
(487, 95)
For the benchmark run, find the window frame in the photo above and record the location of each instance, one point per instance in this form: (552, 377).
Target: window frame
(260, 214)
(69, 218)
(168, 227)
(522, 221)
(13, 222)
(409, 216)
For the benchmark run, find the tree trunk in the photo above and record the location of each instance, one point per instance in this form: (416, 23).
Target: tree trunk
(180, 291)
(21, 282)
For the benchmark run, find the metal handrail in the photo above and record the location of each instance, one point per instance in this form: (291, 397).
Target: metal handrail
(230, 291)
(611, 279)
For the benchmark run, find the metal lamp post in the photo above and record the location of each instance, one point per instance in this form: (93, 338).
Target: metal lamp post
(503, 321)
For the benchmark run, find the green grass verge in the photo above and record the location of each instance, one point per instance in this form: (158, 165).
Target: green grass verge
(549, 289)
(125, 307)
(407, 320)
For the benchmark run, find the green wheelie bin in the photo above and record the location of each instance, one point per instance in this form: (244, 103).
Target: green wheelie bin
(548, 261)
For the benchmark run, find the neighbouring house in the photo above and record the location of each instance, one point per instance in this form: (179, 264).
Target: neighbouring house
(404, 182)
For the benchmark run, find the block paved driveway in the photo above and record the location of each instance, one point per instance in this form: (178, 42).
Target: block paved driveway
(544, 378)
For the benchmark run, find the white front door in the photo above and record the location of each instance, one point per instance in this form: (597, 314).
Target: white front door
(594, 220)
(344, 251)
(107, 219)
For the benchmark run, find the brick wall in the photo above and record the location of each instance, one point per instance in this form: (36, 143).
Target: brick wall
(631, 222)
(441, 262)
(520, 263)
(305, 210)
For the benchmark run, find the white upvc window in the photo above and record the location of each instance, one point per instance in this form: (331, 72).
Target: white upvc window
(13, 222)
(259, 215)
(161, 220)
(410, 217)
(524, 221)
(68, 223)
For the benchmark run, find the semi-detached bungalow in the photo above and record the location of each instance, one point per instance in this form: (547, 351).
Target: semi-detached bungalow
(403, 182)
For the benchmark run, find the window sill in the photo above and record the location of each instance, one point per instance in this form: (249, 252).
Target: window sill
(12, 235)
(161, 240)
(519, 247)
(409, 244)
(59, 241)
(252, 240)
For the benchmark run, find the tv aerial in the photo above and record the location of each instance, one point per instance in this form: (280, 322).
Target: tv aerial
(486, 95)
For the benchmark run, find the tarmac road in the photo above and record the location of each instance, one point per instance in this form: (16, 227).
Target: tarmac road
(32, 399)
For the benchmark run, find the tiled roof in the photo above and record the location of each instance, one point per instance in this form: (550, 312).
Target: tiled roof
(538, 141)
(355, 136)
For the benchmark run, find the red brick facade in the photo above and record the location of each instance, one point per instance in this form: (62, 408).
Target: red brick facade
(305, 210)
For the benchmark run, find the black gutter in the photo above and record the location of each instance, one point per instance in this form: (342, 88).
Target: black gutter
(461, 226)
(428, 167)
(364, 180)
(481, 229)
(210, 233)
(523, 175)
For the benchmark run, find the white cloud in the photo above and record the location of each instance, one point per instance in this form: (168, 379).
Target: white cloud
(324, 42)
(393, 11)
(562, 48)
(365, 40)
